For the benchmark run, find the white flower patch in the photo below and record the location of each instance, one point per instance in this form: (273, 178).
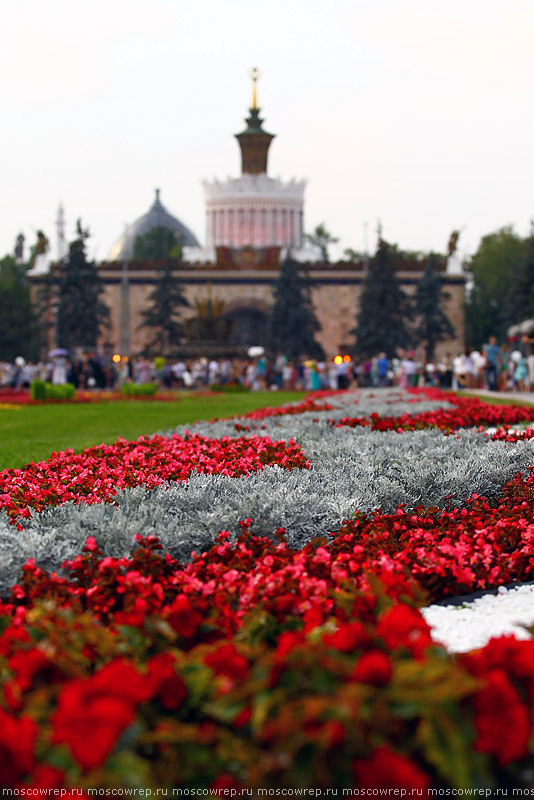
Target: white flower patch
(469, 626)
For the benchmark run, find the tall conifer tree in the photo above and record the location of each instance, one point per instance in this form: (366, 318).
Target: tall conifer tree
(433, 325)
(81, 314)
(292, 324)
(385, 310)
(162, 314)
(19, 333)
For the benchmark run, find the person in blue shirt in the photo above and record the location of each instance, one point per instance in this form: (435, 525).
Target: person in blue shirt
(382, 366)
(492, 352)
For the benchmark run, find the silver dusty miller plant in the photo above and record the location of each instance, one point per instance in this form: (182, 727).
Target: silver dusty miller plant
(351, 470)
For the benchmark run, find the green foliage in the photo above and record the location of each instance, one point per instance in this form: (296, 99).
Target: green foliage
(433, 325)
(292, 324)
(19, 334)
(495, 267)
(81, 313)
(321, 238)
(38, 390)
(385, 309)
(157, 243)
(32, 432)
(521, 296)
(42, 390)
(352, 255)
(138, 389)
(162, 313)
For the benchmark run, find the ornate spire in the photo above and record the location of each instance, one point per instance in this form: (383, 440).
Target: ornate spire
(255, 74)
(254, 141)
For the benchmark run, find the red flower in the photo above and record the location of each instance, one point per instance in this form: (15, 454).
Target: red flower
(227, 661)
(17, 741)
(168, 686)
(373, 667)
(348, 638)
(28, 664)
(243, 718)
(93, 712)
(183, 617)
(287, 641)
(225, 782)
(498, 708)
(404, 626)
(386, 769)
(47, 777)
(514, 656)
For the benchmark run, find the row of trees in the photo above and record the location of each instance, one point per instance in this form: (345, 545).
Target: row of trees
(501, 290)
(388, 318)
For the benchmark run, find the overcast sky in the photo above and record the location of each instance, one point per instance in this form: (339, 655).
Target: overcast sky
(416, 112)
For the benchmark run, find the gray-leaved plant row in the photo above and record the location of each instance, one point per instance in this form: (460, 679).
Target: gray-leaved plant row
(351, 470)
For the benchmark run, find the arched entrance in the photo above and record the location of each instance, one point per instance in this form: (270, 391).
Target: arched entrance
(248, 323)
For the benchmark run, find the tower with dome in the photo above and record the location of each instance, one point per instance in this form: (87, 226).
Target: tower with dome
(252, 221)
(254, 210)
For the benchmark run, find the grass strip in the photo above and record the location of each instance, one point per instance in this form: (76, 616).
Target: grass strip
(31, 433)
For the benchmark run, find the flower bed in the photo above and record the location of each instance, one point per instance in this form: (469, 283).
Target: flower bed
(97, 473)
(262, 663)
(22, 397)
(469, 412)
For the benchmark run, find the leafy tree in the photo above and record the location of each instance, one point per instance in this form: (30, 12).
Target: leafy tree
(321, 238)
(433, 325)
(385, 309)
(19, 334)
(162, 314)
(157, 243)
(81, 314)
(292, 323)
(521, 296)
(494, 269)
(352, 255)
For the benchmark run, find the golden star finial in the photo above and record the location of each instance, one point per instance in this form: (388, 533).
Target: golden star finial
(255, 74)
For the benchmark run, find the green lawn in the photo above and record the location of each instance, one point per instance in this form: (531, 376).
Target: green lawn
(517, 400)
(31, 433)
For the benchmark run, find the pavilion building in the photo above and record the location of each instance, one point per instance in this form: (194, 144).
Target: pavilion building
(251, 223)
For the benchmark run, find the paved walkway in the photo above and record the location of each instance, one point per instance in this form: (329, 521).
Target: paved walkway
(518, 397)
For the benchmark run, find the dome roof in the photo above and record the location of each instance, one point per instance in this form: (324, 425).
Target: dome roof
(156, 217)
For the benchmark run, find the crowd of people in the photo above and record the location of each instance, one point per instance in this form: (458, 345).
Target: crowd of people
(495, 367)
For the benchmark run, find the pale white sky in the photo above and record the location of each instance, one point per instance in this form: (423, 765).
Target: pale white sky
(416, 112)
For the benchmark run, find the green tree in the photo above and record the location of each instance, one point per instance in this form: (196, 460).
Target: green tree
(158, 243)
(432, 324)
(162, 314)
(81, 314)
(292, 324)
(521, 296)
(19, 333)
(385, 310)
(321, 238)
(494, 269)
(352, 255)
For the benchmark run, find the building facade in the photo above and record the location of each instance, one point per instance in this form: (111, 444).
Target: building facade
(243, 295)
(251, 223)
